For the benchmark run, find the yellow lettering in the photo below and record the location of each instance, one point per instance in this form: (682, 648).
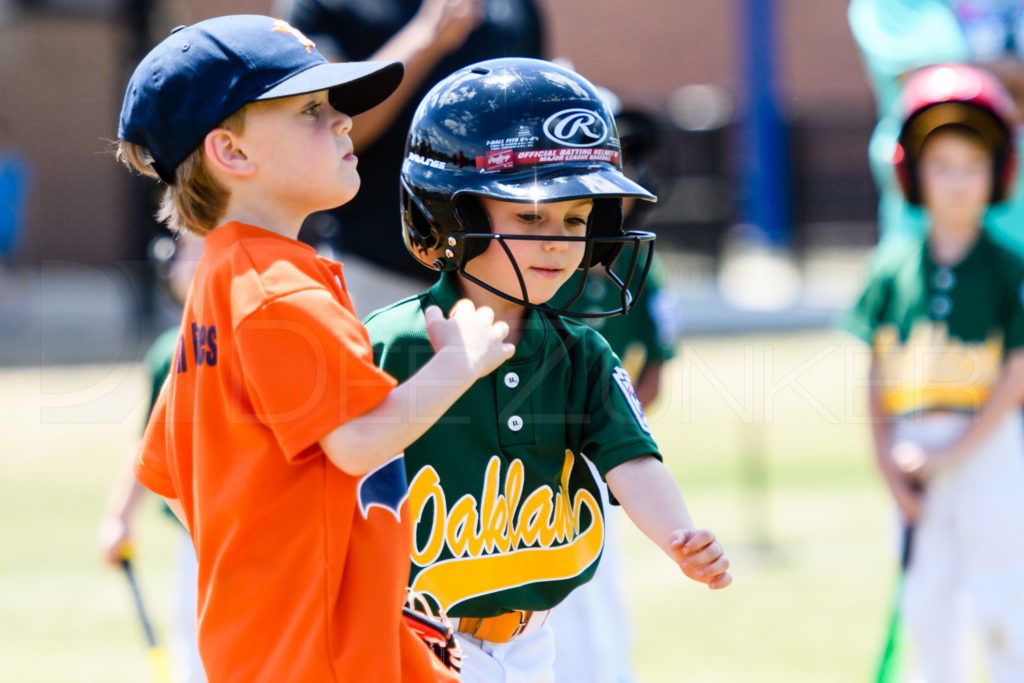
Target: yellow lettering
(463, 532)
(497, 523)
(568, 523)
(532, 516)
(426, 487)
(453, 582)
(513, 492)
(934, 370)
(493, 510)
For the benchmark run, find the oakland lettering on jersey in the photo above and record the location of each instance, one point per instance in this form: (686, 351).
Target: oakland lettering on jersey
(933, 369)
(507, 538)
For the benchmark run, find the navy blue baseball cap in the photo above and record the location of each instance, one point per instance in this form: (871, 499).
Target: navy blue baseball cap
(201, 74)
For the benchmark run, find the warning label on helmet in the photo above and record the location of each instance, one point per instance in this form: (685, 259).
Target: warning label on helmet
(496, 160)
(522, 141)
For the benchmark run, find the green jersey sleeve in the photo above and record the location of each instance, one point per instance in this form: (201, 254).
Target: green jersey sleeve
(893, 259)
(158, 361)
(867, 313)
(614, 429)
(655, 317)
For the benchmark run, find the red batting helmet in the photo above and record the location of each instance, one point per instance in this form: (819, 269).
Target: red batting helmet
(963, 95)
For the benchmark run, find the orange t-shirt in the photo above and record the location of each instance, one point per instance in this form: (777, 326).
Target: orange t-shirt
(302, 568)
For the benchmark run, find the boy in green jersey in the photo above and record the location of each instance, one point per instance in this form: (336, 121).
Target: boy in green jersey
(116, 532)
(512, 181)
(944, 315)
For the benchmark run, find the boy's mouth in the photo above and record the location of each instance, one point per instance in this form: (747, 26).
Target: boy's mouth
(547, 271)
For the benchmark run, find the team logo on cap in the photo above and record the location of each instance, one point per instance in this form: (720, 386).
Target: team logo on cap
(282, 26)
(576, 128)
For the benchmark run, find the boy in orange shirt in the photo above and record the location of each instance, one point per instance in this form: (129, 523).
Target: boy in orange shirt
(275, 439)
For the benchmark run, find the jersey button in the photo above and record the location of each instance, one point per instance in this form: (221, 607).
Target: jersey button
(511, 380)
(943, 279)
(941, 306)
(515, 423)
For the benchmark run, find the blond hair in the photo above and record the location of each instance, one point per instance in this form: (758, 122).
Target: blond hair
(196, 201)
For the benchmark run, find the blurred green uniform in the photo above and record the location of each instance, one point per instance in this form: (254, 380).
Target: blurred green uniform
(647, 334)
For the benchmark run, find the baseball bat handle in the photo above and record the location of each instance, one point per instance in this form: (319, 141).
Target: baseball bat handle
(147, 627)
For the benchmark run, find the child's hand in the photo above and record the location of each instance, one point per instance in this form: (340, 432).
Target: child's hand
(701, 558)
(919, 464)
(470, 336)
(908, 495)
(451, 21)
(114, 536)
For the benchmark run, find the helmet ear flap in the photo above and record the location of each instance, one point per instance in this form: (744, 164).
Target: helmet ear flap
(605, 221)
(906, 174)
(415, 218)
(470, 213)
(419, 231)
(1006, 174)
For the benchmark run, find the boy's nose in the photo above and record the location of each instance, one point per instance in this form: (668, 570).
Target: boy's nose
(555, 244)
(342, 122)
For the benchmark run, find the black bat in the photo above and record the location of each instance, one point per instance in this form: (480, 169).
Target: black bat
(888, 667)
(158, 659)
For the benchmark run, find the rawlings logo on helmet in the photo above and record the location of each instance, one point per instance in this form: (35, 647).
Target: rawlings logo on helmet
(576, 128)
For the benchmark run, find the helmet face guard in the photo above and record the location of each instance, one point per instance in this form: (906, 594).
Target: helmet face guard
(634, 247)
(517, 130)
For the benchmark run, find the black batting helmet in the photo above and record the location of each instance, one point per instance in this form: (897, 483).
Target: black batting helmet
(520, 130)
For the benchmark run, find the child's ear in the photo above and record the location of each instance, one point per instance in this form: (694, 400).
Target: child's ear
(224, 153)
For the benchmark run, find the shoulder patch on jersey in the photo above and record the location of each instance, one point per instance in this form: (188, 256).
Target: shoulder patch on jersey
(621, 378)
(385, 487)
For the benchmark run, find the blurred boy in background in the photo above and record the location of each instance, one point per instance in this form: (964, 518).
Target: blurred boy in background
(944, 315)
(176, 263)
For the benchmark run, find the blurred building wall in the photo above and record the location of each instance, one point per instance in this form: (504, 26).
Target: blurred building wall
(644, 50)
(57, 111)
(63, 76)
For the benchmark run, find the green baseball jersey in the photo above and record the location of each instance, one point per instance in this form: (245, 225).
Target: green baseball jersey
(648, 333)
(158, 361)
(506, 508)
(939, 333)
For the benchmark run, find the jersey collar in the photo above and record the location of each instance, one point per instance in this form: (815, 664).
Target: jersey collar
(233, 231)
(980, 245)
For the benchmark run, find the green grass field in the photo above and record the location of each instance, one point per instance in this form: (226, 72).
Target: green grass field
(767, 436)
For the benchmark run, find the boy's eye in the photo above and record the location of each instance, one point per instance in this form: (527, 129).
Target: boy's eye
(576, 220)
(529, 217)
(313, 109)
